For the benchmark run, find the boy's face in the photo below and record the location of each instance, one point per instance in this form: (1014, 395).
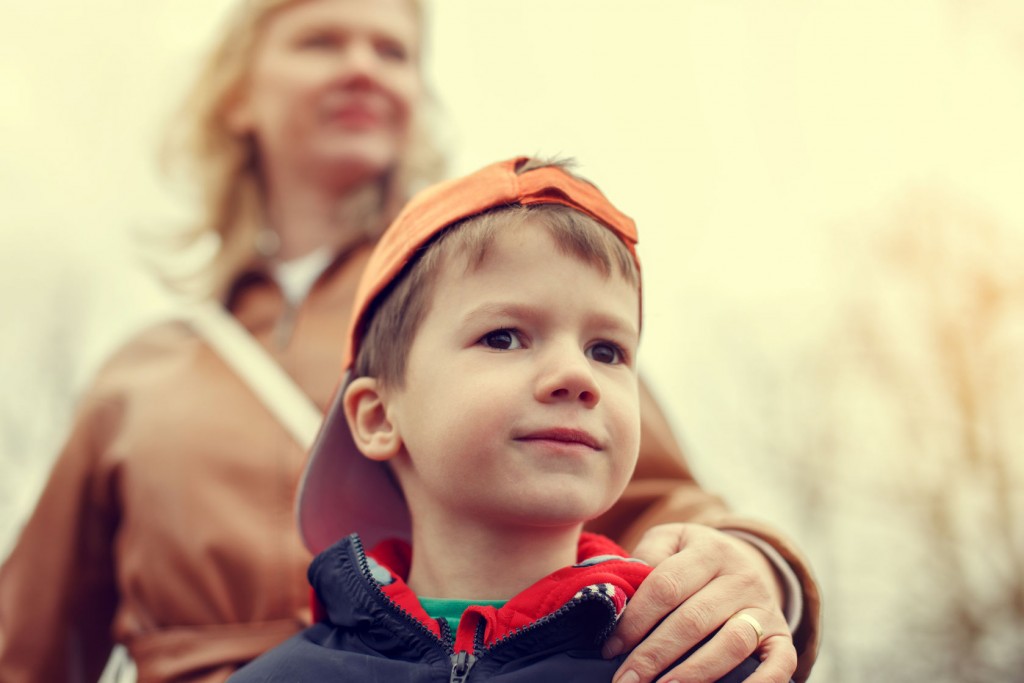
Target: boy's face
(520, 401)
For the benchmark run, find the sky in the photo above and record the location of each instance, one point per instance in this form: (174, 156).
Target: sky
(752, 141)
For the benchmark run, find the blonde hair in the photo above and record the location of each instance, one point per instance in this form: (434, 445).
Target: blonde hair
(223, 164)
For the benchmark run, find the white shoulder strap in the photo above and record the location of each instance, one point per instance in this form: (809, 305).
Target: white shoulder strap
(250, 361)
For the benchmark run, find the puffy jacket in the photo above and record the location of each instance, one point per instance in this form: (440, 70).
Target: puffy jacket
(374, 628)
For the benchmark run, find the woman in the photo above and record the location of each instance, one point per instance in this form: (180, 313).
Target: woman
(167, 522)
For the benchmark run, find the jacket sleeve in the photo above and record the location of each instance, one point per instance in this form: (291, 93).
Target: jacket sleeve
(663, 490)
(57, 589)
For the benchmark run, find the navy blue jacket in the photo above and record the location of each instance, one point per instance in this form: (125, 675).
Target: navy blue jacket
(374, 630)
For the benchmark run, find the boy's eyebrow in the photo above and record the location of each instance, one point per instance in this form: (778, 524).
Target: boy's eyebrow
(499, 309)
(603, 321)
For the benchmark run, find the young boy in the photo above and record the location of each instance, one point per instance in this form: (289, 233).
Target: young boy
(491, 398)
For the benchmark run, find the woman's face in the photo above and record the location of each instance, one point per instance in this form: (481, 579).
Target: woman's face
(331, 89)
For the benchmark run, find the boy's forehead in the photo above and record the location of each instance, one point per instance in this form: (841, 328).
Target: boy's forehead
(515, 229)
(521, 230)
(497, 253)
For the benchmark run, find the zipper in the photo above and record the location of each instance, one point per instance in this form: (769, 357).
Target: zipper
(447, 643)
(462, 663)
(563, 610)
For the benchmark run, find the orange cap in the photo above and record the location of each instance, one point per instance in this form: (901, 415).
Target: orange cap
(341, 491)
(447, 203)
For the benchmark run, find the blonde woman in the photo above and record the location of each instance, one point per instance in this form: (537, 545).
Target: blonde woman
(167, 526)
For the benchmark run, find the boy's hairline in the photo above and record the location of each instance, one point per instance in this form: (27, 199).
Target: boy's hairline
(433, 248)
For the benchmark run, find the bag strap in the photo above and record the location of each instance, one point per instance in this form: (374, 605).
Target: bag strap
(251, 362)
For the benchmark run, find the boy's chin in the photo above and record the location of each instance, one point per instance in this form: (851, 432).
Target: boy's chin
(568, 504)
(554, 514)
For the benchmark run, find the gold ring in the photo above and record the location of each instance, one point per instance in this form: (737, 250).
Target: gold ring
(742, 616)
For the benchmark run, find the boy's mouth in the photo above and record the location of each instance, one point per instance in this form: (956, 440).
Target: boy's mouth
(563, 435)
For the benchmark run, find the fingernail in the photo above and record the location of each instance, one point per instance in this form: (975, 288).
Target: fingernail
(629, 677)
(612, 648)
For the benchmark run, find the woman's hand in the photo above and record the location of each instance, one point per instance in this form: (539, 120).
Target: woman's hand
(702, 578)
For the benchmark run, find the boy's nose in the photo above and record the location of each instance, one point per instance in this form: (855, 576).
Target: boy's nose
(568, 377)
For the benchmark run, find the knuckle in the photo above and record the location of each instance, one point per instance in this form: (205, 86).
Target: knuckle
(685, 531)
(669, 529)
(738, 642)
(646, 662)
(697, 621)
(750, 582)
(779, 663)
(723, 542)
(666, 588)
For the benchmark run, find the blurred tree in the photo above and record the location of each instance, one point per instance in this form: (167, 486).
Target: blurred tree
(891, 426)
(938, 318)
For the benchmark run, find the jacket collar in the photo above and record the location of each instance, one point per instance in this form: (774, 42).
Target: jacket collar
(354, 588)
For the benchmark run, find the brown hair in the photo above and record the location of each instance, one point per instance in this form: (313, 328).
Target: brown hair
(223, 165)
(401, 308)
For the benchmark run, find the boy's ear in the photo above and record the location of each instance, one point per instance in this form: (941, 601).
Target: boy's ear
(366, 412)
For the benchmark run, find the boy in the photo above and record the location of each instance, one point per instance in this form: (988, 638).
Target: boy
(491, 375)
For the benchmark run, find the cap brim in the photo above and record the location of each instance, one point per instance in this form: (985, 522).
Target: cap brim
(342, 491)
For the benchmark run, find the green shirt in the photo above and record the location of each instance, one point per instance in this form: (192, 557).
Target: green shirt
(451, 610)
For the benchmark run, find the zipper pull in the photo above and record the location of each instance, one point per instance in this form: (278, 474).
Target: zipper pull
(461, 664)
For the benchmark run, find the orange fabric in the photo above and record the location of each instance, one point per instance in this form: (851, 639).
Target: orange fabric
(168, 515)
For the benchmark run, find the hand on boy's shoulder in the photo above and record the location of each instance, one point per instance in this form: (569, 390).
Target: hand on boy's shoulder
(702, 579)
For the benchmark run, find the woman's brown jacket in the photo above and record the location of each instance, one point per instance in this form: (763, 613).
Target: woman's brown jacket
(167, 521)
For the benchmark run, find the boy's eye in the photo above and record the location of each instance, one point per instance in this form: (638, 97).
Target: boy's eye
(606, 352)
(504, 340)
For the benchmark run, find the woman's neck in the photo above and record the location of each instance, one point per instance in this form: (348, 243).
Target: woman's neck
(467, 561)
(306, 217)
